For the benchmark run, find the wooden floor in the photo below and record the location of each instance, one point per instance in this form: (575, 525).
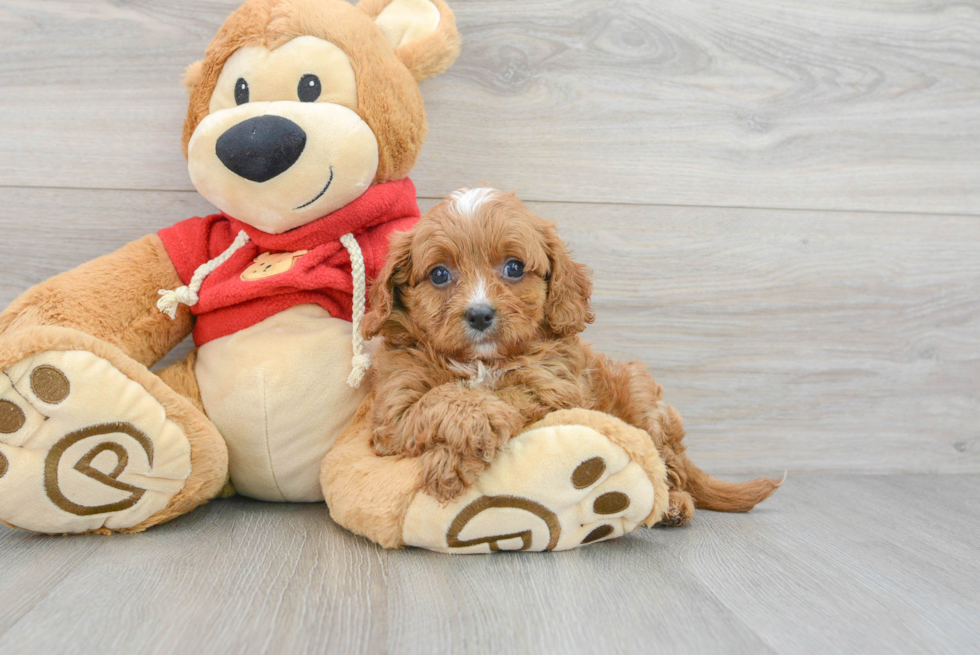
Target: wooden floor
(835, 563)
(781, 204)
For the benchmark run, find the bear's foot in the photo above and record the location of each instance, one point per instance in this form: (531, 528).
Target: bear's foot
(576, 478)
(85, 447)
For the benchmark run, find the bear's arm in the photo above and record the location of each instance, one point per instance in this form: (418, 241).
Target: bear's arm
(113, 298)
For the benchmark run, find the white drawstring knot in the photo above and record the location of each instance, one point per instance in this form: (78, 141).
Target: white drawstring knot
(171, 299)
(361, 361)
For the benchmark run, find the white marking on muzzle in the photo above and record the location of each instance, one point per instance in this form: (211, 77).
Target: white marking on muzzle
(485, 350)
(479, 295)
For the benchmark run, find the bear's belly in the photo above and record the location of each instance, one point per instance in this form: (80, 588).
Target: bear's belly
(278, 393)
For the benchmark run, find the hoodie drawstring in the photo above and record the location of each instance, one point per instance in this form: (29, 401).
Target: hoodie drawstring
(361, 361)
(171, 299)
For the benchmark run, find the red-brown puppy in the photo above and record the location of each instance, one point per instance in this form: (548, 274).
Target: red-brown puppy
(481, 306)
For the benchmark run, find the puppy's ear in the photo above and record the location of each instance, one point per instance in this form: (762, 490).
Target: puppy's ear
(393, 274)
(422, 32)
(567, 309)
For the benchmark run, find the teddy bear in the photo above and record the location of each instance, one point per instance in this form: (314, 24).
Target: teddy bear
(304, 120)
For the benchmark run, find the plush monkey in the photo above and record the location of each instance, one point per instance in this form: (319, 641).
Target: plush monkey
(305, 118)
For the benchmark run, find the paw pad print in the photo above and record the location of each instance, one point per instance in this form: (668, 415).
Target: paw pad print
(49, 384)
(82, 446)
(553, 488)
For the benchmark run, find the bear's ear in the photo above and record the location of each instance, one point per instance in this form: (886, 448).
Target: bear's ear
(422, 32)
(192, 76)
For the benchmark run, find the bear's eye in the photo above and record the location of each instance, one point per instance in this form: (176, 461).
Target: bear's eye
(241, 91)
(439, 276)
(513, 269)
(309, 88)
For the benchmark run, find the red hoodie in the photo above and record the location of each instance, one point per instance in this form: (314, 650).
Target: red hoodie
(242, 291)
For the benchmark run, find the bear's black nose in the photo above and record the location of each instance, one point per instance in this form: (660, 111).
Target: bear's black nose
(480, 317)
(260, 148)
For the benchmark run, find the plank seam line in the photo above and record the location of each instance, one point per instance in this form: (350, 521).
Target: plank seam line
(814, 210)
(766, 208)
(707, 588)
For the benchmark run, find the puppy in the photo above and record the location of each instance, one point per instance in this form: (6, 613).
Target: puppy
(481, 306)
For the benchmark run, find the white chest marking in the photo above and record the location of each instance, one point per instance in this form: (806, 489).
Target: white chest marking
(478, 374)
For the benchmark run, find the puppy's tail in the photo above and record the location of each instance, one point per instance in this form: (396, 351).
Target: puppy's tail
(708, 491)
(711, 493)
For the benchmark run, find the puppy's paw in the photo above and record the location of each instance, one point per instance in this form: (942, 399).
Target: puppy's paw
(466, 441)
(477, 432)
(442, 476)
(680, 510)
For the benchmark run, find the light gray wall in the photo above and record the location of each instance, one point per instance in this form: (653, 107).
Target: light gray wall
(781, 201)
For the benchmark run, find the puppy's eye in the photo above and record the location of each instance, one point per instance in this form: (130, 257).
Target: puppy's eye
(513, 269)
(440, 276)
(309, 88)
(241, 91)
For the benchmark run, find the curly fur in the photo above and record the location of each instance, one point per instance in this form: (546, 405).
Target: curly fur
(454, 397)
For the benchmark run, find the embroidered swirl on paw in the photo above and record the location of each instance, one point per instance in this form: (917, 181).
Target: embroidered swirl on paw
(85, 467)
(485, 503)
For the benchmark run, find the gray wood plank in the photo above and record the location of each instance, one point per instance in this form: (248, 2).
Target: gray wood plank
(627, 597)
(830, 105)
(828, 566)
(832, 563)
(234, 577)
(788, 339)
(33, 566)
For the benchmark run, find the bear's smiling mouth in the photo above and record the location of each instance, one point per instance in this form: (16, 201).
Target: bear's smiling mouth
(307, 204)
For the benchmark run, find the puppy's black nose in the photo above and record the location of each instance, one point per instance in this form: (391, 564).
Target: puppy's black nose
(480, 317)
(260, 148)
